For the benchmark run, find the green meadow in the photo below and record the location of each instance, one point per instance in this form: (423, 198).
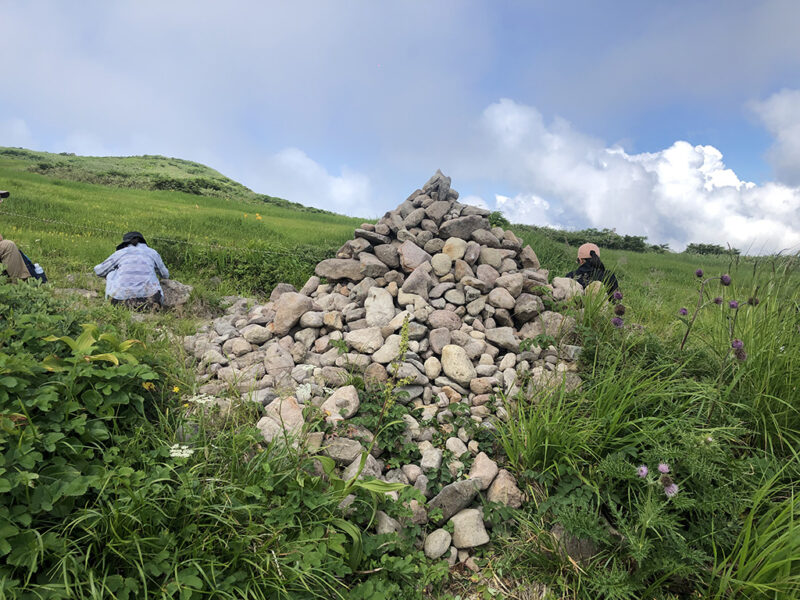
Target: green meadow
(95, 503)
(252, 244)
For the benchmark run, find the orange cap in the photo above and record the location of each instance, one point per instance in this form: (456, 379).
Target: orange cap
(585, 251)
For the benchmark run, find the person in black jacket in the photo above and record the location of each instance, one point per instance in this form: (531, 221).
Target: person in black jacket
(592, 269)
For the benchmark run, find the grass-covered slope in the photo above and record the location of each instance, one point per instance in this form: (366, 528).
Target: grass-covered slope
(149, 172)
(68, 226)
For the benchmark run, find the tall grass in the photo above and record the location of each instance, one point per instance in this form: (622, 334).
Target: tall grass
(727, 429)
(765, 561)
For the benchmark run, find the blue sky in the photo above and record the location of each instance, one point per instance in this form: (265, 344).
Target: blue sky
(676, 120)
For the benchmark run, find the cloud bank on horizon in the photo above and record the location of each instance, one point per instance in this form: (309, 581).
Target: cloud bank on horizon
(565, 178)
(677, 195)
(347, 107)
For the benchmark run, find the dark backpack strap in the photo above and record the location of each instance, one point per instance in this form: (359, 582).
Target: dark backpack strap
(31, 269)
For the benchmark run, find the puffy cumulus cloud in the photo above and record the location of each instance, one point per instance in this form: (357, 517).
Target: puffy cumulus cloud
(526, 208)
(678, 195)
(781, 115)
(292, 174)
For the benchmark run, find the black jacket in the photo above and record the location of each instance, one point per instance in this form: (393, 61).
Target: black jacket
(586, 274)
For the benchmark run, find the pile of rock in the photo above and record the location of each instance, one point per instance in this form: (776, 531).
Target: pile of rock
(470, 294)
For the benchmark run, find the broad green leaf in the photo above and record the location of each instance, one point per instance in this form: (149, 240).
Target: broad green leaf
(380, 487)
(76, 486)
(54, 363)
(108, 357)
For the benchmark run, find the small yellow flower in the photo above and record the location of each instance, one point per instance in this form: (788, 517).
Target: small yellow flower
(258, 217)
(176, 389)
(245, 215)
(149, 386)
(185, 405)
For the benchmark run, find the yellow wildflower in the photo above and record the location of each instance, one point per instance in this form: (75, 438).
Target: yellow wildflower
(176, 389)
(149, 386)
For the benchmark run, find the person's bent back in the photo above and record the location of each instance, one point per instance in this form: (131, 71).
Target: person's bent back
(132, 273)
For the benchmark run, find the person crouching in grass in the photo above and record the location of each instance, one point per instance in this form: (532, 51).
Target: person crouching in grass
(591, 268)
(132, 274)
(10, 256)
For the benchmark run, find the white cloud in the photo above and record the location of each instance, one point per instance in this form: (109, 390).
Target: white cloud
(781, 115)
(474, 201)
(526, 208)
(293, 175)
(681, 194)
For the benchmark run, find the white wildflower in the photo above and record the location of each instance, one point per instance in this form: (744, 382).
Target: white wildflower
(180, 451)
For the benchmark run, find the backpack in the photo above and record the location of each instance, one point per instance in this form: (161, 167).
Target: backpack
(35, 270)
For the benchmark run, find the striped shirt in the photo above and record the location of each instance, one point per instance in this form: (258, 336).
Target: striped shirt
(132, 272)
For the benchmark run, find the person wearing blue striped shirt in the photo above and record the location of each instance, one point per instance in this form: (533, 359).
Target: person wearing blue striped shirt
(132, 273)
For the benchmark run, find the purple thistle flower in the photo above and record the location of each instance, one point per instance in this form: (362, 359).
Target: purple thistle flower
(671, 490)
(619, 309)
(663, 468)
(740, 354)
(736, 344)
(683, 312)
(699, 272)
(718, 300)
(617, 322)
(642, 471)
(617, 295)
(733, 304)
(725, 279)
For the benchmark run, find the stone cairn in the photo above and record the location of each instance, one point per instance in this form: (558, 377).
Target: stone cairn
(471, 293)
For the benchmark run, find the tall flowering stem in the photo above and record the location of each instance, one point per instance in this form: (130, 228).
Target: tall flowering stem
(697, 309)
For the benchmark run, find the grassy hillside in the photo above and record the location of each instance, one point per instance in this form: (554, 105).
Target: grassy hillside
(156, 173)
(69, 226)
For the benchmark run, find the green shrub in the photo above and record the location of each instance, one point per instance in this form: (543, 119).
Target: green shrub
(65, 403)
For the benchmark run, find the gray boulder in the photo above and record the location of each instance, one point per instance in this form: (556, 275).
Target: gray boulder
(454, 497)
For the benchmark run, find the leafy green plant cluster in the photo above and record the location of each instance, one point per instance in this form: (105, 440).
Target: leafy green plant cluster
(697, 248)
(65, 403)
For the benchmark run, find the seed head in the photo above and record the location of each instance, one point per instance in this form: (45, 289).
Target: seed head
(753, 301)
(740, 354)
(699, 272)
(619, 309)
(725, 279)
(718, 300)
